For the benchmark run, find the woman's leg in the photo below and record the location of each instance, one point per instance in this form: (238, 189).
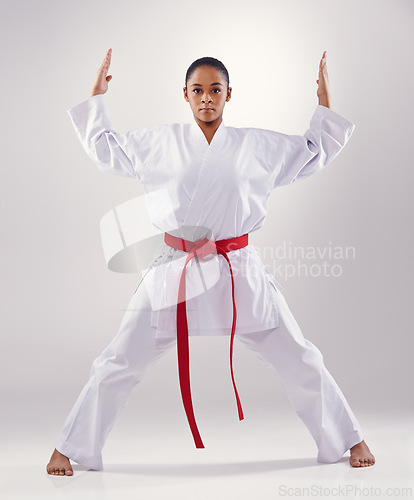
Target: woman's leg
(120, 366)
(309, 386)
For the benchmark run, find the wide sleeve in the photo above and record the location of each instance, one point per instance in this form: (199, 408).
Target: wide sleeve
(302, 156)
(108, 149)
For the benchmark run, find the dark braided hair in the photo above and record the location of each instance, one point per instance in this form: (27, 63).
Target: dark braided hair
(207, 61)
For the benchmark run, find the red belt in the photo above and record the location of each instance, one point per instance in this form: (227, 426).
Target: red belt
(200, 248)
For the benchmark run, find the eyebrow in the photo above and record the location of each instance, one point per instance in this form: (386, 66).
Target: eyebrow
(199, 85)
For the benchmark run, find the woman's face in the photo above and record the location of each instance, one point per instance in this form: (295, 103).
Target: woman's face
(207, 94)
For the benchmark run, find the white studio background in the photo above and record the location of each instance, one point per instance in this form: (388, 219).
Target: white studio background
(61, 306)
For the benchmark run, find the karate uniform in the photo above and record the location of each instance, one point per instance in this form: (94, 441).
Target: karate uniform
(219, 190)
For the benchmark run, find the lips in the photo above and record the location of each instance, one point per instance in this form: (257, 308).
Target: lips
(206, 109)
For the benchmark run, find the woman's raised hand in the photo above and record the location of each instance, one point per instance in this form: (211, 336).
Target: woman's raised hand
(323, 92)
(100, 84)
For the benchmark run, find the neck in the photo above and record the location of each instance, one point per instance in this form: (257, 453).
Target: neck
(209, 128)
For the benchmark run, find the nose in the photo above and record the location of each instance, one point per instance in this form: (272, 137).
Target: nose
(206, 98)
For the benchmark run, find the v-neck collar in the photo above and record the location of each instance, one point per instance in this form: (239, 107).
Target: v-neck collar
(218, 137)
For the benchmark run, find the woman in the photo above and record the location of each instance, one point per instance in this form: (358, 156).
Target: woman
(208, 186)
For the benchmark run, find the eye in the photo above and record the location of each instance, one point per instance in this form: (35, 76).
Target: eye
(217, 91)
(196, 91)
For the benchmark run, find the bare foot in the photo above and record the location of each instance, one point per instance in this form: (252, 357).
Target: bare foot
(59, 465)
(361, 456)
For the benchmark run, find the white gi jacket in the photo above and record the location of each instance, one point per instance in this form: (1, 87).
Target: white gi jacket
(222, 187)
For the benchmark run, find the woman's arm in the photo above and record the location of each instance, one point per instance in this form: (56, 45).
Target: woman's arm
(295, 157)
(307, 154)
(104, 145)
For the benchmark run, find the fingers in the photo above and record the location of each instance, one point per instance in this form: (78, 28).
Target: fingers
(106, 62)
(322, 66)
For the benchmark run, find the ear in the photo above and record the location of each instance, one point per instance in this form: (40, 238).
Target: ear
(185, 94)
(228, 97)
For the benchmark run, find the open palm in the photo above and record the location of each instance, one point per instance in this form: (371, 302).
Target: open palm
(323, 92)
(100, 84)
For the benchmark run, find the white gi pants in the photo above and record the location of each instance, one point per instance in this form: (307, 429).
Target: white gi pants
(297, 363)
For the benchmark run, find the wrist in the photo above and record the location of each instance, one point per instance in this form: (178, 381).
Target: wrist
(325, 100)
(95, 92)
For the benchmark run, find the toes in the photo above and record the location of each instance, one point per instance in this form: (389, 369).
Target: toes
(361, 462)
(60, 471)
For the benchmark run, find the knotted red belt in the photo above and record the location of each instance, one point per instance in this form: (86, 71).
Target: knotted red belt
(201, 248)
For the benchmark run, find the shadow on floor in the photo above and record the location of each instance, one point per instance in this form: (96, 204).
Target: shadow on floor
(216, 469)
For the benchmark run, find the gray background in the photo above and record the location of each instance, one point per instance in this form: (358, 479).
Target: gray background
(61, 306)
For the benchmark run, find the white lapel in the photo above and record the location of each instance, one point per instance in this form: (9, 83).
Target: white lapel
(207, 169)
